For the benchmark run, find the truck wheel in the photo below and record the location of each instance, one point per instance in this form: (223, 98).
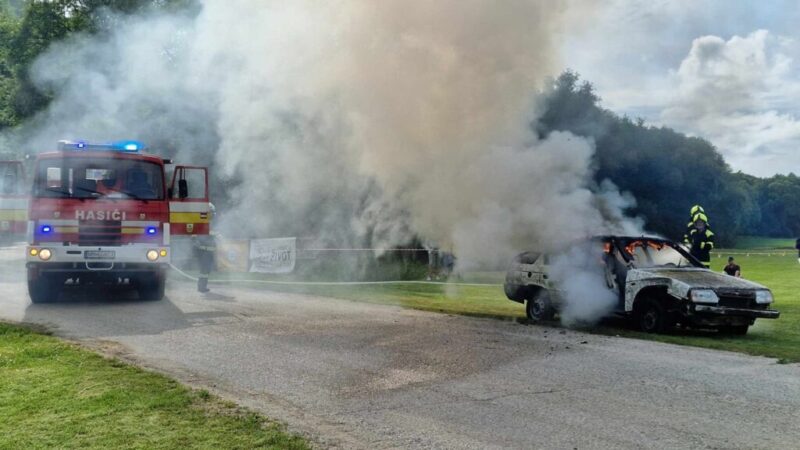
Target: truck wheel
(539, 307)
(43, 289)
(151, 288)
(652, 317)
(736, 330)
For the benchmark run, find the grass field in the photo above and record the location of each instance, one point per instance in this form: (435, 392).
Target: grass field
(55, 395)
(772, 262)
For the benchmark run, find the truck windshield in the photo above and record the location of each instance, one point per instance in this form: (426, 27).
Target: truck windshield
(101, 177)
(647, 253)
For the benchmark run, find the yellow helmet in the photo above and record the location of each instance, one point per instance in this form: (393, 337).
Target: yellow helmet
(696, 209)
(700, 216)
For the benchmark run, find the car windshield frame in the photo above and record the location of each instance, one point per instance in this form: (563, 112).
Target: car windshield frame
(83, 178)
(623, 244)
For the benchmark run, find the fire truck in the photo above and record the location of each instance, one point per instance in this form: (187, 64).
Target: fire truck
(105, 214)
(13, 202)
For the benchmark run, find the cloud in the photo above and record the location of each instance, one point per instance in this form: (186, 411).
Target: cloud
(741, 95)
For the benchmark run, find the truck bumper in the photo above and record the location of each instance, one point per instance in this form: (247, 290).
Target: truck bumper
(95, 262)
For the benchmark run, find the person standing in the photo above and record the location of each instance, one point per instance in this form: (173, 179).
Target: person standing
(797, 246)
(732, 268)
(206, 249)
(700, 240)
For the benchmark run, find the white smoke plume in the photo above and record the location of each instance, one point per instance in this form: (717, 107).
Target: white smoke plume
(356, 121)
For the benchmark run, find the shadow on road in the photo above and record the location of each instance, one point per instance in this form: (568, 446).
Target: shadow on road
(118, 312)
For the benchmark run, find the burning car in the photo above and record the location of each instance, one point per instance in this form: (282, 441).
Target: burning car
(656, 282)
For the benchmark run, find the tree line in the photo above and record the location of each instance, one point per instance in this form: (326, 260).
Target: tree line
(665, 170)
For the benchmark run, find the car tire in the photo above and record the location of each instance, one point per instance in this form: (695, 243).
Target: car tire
(539, 307)
(151, 288)
(43, 289)
(652, 317)
(734, 330)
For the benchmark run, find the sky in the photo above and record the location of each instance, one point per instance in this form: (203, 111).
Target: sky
(727, 71)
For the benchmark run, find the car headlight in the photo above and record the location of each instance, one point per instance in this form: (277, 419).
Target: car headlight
(763, 297)
(704, 296)
(45, 254)
(152, 255)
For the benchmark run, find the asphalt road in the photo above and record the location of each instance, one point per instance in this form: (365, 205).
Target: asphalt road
(354, 375)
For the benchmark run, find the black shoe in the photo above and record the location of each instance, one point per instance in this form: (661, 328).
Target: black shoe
(204, 290)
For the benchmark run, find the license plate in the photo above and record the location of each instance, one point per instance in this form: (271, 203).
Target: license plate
(99, 254)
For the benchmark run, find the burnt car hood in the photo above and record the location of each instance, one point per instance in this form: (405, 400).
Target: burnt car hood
(693, 277)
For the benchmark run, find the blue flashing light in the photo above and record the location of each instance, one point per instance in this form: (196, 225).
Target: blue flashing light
(127, 146)
(119, 146)
(152, 230)
(46, 229)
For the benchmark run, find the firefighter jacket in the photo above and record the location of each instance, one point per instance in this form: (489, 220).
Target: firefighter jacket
(701, 243)
(206, 243)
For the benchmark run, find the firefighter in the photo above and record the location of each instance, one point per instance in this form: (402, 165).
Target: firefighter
(206, 248)
(700, 239)
(695, 212)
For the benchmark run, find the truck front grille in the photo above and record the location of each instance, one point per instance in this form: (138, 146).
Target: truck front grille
(100, 232)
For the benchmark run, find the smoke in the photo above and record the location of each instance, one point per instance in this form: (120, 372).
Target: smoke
(355, 122)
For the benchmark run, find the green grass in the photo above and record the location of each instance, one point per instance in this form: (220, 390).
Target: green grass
(778, 270)
(760, 243)
(56, 395)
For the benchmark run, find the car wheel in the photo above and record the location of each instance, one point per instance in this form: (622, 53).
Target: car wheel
(652, 317)
(736, 330)
(539, 307)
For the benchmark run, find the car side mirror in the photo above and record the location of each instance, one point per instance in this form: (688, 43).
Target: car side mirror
(183, 189)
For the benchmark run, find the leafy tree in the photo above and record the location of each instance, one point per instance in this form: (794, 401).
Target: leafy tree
(28, 28)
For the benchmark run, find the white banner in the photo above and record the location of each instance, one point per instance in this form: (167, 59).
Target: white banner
(273, 255)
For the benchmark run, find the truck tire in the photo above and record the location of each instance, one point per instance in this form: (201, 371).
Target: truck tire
(43, 289)
(735, 330)
(539, 307)
(151, 288)
(652, 316)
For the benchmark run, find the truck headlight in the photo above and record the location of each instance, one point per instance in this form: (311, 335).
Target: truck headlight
(704, 296)
(763, 297)
(45, 254)
(152, 255)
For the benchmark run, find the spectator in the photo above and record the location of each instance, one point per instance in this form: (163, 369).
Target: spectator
(732, 268)
(797, 246)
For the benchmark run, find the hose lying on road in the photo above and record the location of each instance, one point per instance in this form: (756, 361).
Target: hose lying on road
(330, 283)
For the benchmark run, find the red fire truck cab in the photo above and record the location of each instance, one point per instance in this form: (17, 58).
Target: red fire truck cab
(104, 214)
(13, 202)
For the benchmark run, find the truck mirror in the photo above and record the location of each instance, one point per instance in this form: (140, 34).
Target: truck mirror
(169, 192)
(183, 189)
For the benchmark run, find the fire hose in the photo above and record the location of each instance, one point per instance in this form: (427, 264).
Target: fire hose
(328, 283)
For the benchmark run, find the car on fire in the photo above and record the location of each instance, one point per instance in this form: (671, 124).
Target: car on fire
(656, 281)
